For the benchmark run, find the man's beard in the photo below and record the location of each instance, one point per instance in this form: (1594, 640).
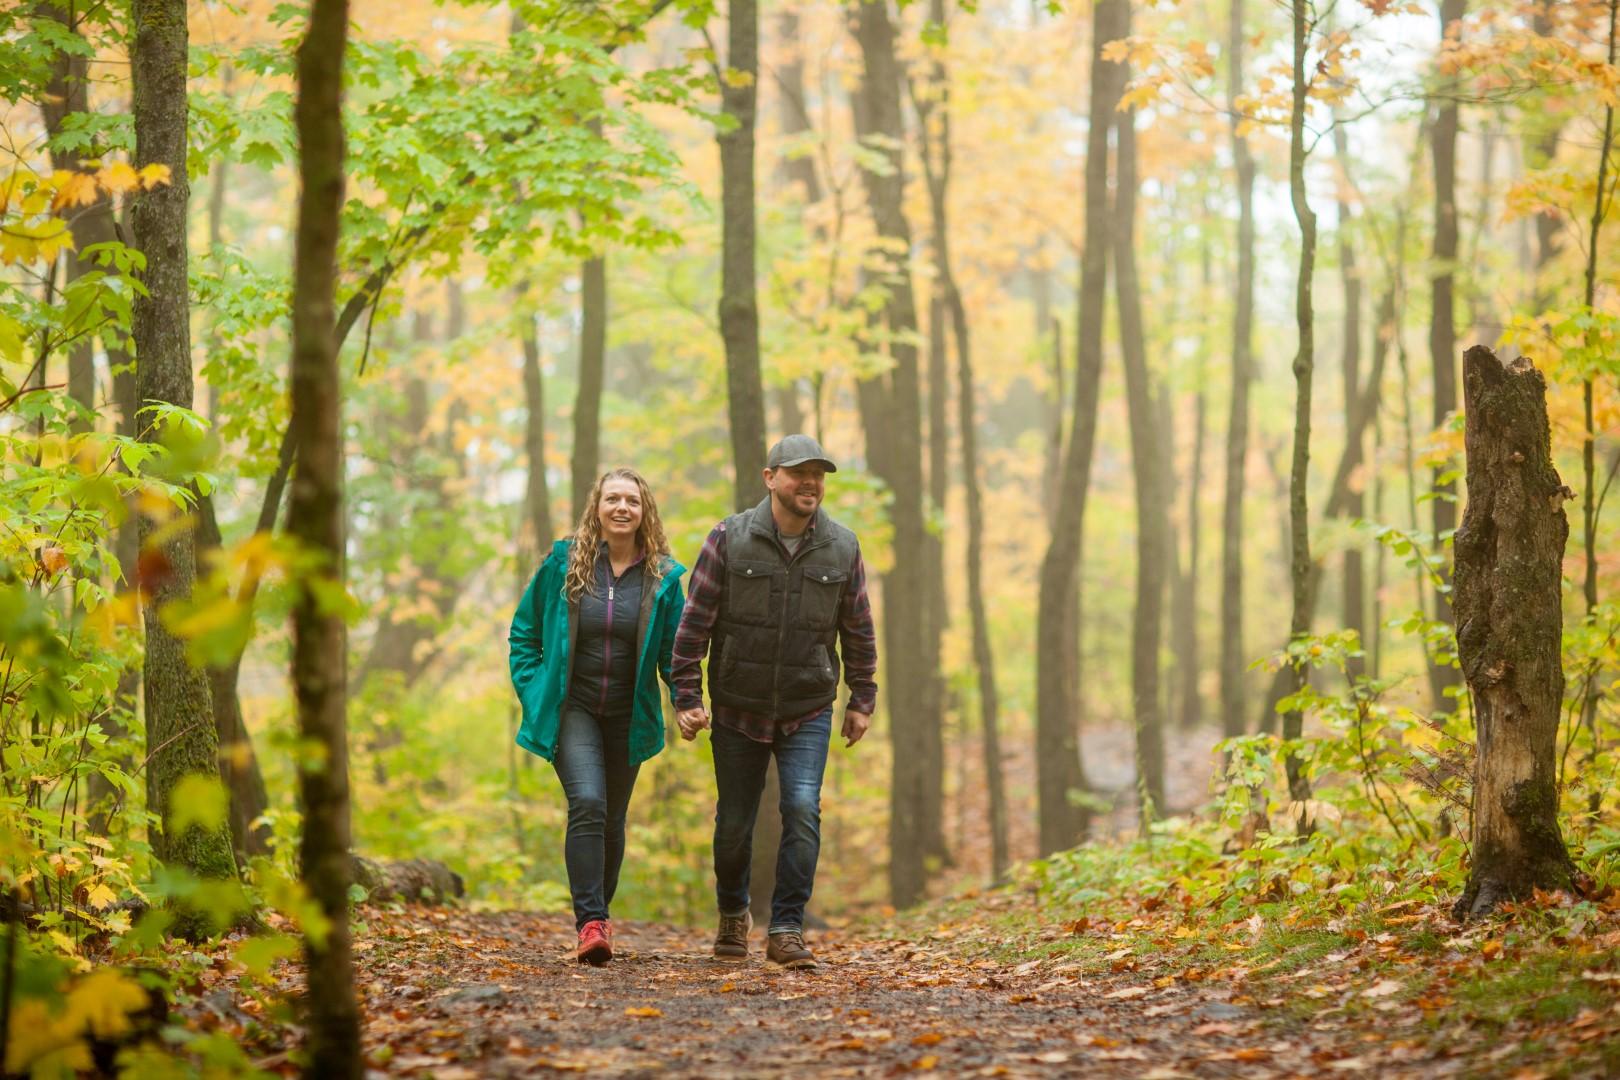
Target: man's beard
(790, 504)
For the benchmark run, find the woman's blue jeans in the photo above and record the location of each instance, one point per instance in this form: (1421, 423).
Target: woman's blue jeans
(593, 763)
(740, 764)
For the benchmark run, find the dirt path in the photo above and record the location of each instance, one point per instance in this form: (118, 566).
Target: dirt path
(456, 995)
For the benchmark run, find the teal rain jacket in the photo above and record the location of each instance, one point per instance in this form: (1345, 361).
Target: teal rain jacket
(541, 639)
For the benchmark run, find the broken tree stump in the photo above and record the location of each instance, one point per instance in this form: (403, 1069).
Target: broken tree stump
(1509, 554)
(413, 880)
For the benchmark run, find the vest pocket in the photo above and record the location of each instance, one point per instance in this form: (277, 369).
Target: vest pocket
(819, 596)
(748, 590)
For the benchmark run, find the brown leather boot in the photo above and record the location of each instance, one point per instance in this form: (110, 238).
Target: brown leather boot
(788, 949)
(731, 941)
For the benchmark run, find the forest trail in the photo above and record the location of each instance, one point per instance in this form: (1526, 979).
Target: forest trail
(456, 995)
(452, 995)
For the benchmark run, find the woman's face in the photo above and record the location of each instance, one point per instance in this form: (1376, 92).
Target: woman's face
(619, 509)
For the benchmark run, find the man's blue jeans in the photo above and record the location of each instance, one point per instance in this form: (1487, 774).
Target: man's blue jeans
(740, 764)
(593, 763)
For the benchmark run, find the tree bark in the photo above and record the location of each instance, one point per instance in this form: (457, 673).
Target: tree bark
(1442, 318)
(1233, 661)
(180, 736)
(537, 492)
(934, 129)
(739, 306)
(593, 301)
(68, 92)
(1355, 587)
(1060, 771)
(1510, 552)
(891, 409)
(315, 520)
(1152, 525)
(1304, 366)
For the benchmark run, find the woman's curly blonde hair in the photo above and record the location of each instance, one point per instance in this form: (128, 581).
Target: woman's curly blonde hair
(650, 538)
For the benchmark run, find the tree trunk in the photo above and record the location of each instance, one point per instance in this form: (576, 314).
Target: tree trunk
(1060, 772)
(1233, 661)
(1299, 625)
(1442, 321)
(739, 327)
(739, 308)
(537, 492)
(1355, 588)
(315, 520)
(238, 764)
(180, 736)
(793, 118)
(1510, 552)
(1590, 500)
(1152, 525)
(934, 129)
(891, 408)
(68, 92)
(1185, 620)
(592, 368)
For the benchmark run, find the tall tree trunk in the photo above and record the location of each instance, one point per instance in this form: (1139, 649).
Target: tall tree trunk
(315, 520)
(934, 130)
(1059, 770)
(793, 118)
(1355, 587)
(180, 736)
(1442, 319)
(1304, 364)
(739, 327)
(593, 301)
(1510, 552)
(891, 408)
(927, 99)
(1589, 494)
(739, 308)
(1185, 619)
(1233, 661)
(537, 492)
(68, 92)
(1384, 331)
(1152, 525)
(1545, 127)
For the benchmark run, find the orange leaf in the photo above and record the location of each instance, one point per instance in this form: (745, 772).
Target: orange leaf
(645, 1010)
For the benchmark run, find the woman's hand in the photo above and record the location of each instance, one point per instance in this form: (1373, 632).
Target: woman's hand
(692, 721)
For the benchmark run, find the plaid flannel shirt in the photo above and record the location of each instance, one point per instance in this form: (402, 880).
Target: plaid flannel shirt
(856, 634)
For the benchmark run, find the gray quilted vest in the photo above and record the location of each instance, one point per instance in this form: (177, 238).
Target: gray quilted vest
(772, 650)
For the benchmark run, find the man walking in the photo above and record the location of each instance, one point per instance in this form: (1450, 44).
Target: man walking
(774, 589)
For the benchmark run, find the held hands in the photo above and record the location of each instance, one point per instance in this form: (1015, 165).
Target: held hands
(855, 725)
(692, 721)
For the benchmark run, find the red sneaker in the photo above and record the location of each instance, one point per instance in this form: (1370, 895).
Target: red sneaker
(594, 946)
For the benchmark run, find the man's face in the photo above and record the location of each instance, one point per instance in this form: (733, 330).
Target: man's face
(797, 488)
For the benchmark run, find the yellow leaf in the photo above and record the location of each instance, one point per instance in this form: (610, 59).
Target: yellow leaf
(1491, 949)
(103, 1001)
(153, 175)
(75, 189)
(737, 79)
(645, 1011)
(101, 896)
(927, 1063)
(119, 177)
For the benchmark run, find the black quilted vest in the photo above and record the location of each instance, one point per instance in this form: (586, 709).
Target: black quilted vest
(772, 650)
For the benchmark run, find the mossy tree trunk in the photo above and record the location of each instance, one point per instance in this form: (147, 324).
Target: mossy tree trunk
(180, 736)
(315, 520)
(1509, 604)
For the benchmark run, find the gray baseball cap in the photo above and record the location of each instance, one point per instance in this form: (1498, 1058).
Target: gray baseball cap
(796, 450)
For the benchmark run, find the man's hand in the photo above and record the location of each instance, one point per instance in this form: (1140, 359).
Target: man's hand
(692, 721)
(855, 725)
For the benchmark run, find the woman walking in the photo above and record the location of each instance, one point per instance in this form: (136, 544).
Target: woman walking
(595, 625)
